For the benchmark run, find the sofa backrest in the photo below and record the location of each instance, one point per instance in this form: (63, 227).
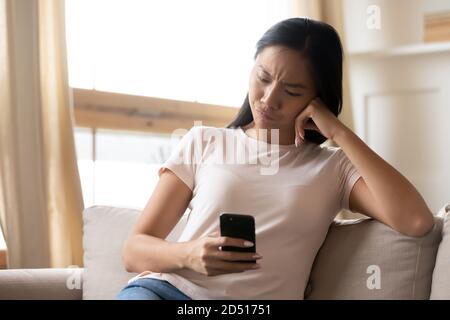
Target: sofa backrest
(440, 289)
(365, 259)
(104, 233)
(352, 256)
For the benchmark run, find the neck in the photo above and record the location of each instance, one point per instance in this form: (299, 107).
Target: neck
(286, 136)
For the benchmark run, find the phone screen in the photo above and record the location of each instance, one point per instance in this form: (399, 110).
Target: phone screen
(240, 226)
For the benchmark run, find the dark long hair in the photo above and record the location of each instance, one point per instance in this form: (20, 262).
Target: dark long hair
(320, 44)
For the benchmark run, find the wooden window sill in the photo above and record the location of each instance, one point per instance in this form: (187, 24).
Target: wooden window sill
(97, 109)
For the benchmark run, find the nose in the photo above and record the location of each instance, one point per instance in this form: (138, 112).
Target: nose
(271, 98)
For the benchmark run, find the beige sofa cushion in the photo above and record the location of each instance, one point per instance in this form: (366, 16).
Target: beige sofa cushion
(104, 233)
(41, 284)
(440, 288)
(365, 259)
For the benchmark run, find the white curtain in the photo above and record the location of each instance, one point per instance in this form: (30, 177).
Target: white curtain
(40, 193)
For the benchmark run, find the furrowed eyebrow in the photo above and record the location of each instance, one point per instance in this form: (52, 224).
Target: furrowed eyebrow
(293, 85)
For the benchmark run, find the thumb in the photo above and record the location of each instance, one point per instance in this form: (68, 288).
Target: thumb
(214, 234)
(311, 126)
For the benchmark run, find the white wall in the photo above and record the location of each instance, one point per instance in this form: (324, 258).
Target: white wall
(401, 97)
(401, 22)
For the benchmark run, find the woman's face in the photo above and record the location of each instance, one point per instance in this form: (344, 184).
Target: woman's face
(281, 86)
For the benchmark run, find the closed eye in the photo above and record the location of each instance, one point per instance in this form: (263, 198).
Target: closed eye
(264, 80)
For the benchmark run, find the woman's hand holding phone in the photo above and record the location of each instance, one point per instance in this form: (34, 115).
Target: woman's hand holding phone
(204, 255)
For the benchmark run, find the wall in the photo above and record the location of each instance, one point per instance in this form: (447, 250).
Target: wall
(400, 91)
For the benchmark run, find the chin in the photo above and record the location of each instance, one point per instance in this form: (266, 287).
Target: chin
(269, 124)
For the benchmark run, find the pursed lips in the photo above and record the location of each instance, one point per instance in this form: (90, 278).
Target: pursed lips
(265, 114)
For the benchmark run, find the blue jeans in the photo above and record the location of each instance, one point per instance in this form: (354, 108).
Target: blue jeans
(151, 289)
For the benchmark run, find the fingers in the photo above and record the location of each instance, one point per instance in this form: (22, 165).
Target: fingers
(304, 122)
(311, 126)
(238, 256)
(222, 262)
(232, 267)
(299, 126)
(300, 123)
(232, 242)
(299, 135)
(214, 234)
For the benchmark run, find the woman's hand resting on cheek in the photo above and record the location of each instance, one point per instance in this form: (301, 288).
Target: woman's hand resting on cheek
(316, 116)
(205, 257)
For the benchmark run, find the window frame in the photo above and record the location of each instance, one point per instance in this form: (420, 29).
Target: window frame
(117, 111)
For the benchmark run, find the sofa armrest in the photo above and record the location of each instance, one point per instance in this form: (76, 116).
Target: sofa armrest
(54, 284)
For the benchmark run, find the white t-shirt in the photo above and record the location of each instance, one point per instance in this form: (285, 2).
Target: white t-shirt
(294, 193)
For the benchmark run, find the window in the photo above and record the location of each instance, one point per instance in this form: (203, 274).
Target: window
(198, 50)
(120, 168)
(190, 51)
(84, 145)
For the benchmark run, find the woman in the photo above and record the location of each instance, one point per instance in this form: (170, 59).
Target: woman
(295, 91)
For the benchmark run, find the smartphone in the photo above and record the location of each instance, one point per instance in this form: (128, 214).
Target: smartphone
(240, 226)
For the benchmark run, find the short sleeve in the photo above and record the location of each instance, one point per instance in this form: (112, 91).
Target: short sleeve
(348, 175)
(184, 159)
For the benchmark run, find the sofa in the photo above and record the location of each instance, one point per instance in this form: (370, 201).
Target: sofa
(359, 259)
